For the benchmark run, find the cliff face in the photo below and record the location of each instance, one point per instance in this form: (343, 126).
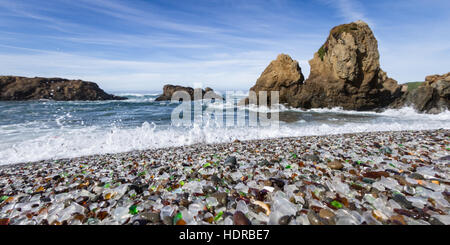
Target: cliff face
(433, 96)
(346, 72)
(283, 75)
(169, 90)
(22, 88)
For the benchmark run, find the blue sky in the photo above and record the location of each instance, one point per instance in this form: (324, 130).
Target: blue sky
(225, 44)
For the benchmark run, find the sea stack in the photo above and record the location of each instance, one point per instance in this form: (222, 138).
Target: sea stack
(169, 90)
(432, 96)
(283, 75)
(13, 88)
(345, 72)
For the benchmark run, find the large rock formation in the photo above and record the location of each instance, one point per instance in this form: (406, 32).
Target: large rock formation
(283, 75)
(346, 72)
(22, 88)
(169, 90)
(432, 96)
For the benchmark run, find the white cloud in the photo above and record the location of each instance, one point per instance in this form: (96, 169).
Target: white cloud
(349, 10)
(239, 72)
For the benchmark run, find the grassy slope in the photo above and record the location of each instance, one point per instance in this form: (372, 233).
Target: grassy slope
(413, 85)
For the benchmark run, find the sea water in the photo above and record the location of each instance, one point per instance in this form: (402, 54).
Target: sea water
(41, 130)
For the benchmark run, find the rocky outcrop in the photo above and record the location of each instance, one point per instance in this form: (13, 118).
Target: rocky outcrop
(22, 88)
(169, 90)
(345, 72)
(283, 75)
(432, 96)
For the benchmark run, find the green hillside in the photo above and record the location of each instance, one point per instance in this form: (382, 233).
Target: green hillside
(413, 85)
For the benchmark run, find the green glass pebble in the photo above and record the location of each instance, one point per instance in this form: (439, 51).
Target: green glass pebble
(4, 198)
(181, 183)
(177, 217)
(294, 155)
(288, 166)
(133, 210)
(336, 204)
(107, 185)
(218, 216)
(207, 165)
(369, 181)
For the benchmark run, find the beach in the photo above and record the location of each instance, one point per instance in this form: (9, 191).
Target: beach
(391, 177)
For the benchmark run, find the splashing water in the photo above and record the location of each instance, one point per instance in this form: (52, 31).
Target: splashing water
(33, 131)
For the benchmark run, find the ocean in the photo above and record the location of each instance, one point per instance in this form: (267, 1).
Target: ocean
(41, 130)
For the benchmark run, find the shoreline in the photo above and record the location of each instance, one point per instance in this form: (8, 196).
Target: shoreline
(9, 165)
(384, 177)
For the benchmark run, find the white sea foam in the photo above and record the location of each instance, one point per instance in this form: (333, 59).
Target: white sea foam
(80, 141)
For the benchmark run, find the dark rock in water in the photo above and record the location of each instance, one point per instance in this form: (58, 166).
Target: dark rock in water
(230, 161)
(193, 94)
(312, 158)
(432, 96)
(22, 88)
(400, 199)
(239, 218)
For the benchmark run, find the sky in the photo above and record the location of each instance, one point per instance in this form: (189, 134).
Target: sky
(140, 45)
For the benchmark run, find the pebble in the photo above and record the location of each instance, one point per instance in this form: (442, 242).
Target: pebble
(398, 220)
(277, 181)
(337, 165)
(285, 220)
(222, 198)
(311, 157)
(326, 214)
(239, 218)
(230, 161)
(400, 199)
(151, 217)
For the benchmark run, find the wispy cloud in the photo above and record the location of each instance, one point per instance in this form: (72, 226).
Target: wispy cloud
(217, 42)
(349, 10)
(145, 75)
